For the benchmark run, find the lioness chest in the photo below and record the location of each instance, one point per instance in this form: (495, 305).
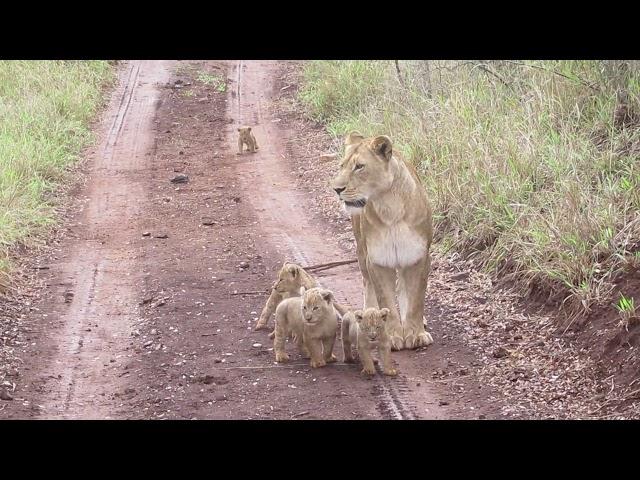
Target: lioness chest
(395, 246)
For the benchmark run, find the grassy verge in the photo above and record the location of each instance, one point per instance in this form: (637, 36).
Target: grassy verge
(45, 111)
(533, 167)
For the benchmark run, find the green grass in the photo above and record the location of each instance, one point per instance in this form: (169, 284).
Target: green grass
(45, 111)
(528, 172)
(217, 81)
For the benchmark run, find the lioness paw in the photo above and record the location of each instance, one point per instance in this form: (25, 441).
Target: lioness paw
(397, 342)
(332, 359)
(261, 325)
(416, 341)
(318, 364)
(369, 371)
(392, 372)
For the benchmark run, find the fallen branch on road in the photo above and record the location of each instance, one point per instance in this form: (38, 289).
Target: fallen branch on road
(325, 266)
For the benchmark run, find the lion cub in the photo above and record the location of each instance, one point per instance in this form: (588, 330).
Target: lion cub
(312, 321)
(367, 329)
(290, 278)
(246, 138)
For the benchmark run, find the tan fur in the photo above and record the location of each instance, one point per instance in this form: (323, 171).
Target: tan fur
(312, 321)
(366, 330)
(291, 278)
(392, 224)
(246, 138)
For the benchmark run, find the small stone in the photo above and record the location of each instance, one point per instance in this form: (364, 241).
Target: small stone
(4, 395)
(148, 344)
(153, 331)
(180, 179)
(146, 234)
(500, 352)
(257, 345)
(161, 235)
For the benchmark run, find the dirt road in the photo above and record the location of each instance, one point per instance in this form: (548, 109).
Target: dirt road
(143, 314)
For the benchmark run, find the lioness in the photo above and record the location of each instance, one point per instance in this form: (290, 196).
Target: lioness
(312, 320)
(246, 138)
(367, 329)
(290, 278)
(392, 224)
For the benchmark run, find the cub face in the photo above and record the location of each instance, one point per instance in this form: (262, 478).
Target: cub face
(372, 322)
(365, 170)
(289, 278)
(317, 304)
(245, 133)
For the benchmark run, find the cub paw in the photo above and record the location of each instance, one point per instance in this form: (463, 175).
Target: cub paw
(318, 364)
(282, 357)
(392, 372)
(261, 325)
(332, 359)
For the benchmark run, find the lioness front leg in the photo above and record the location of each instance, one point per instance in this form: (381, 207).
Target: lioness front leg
(315, 350)
(412, 285)
(384, 282)
(370, 300)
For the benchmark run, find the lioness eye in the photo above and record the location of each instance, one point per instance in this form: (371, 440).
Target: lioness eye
(358, 166)
(315, 308)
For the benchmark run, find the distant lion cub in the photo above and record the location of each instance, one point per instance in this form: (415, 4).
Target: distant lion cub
(367, 329)
(246, 138)
(312, 321)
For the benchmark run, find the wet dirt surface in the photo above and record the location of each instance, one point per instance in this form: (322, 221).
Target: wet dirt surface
(151, 297)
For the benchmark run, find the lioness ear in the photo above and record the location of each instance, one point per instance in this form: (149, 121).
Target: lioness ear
(327, 295)
(353, 138)
(302, 290)
(293, 269)
(358, 315)
(384, 313)
(382, 146)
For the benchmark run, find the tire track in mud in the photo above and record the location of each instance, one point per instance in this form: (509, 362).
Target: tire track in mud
(98, 264)
(287, 225)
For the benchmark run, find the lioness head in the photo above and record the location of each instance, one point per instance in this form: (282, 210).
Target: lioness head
(372, 322)
(289, 278)
(317, 303)
(366, 170)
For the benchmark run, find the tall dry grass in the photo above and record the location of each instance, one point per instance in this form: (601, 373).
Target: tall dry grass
(533, 167)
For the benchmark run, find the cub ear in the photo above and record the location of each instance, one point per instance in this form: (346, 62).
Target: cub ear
(302, 290)
(382, 146)
(239, 129)
(353, 138)
(248, 129)
(358, 314)
(327, 295)
(293, 269)
(384, 313)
